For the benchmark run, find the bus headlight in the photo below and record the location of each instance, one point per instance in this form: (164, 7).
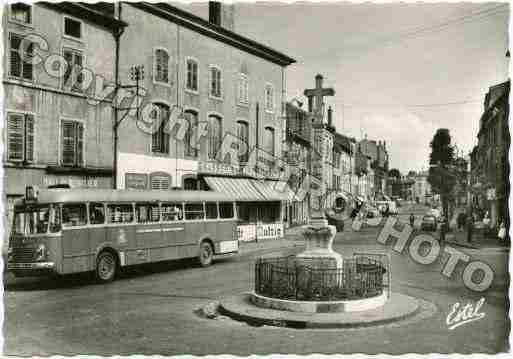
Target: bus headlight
(41, 252)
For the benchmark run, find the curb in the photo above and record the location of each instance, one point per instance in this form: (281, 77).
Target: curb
(312, 322)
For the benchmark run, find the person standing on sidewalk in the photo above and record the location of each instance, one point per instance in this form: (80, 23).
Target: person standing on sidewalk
(412, 220)
(470, 227)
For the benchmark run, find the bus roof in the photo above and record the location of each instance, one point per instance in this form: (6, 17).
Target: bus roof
(112, 195)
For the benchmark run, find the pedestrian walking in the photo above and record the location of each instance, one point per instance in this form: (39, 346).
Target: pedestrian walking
(412, 219)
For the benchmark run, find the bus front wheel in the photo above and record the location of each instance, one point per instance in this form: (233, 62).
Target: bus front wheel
(206, 254)
(106, 267)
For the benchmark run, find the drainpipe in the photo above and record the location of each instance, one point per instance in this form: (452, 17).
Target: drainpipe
(117, 34)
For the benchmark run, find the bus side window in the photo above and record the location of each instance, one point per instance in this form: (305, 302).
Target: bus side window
(211, 208)
(171, 211)
(74, 215)
(225, 209)
(120, 213)
(96, 213)
(55, 219)
(147, 212)
(194, 211)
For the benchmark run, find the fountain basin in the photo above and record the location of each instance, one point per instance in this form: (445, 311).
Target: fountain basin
(334, 306)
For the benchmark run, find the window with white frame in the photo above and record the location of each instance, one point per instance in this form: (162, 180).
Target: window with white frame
(269, 140)
(21, 12)
(243, 135)
(72, 28)
(269, 97)
(20, 137)
(160, 138)
(73, 77)
(161, 66)
(18, 68)
(215, 82)
(214, 136)
(192, 75)
(72, 139)
(243, 89)
(189, 139)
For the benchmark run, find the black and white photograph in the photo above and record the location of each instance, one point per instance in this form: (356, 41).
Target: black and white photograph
(255, 178)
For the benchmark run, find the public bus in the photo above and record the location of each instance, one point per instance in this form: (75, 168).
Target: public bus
(64, 231)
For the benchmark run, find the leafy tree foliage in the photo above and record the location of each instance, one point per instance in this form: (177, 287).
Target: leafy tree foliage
(441, 177)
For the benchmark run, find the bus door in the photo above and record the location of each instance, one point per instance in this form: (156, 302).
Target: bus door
(173, 231)
(194, 227)
(97, 230)
(211, 225)
(148, 232)
(77, 256)
(227, 224)
(121, 233)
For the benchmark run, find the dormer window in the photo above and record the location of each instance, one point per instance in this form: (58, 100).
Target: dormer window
(72, 28)
(21, 12)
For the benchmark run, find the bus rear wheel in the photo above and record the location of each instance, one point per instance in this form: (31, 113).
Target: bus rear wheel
(206, 254)
(106, 267)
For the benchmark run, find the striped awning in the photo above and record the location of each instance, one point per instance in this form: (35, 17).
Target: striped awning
(272, 190)
(239, 188)
(243, 189)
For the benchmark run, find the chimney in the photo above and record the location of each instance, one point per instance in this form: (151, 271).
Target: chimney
(221, 14)
(330, 117)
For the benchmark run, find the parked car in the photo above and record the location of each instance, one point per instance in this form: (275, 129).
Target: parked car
(429, 223)
(335, 220)
(435, 212)
(372, 212)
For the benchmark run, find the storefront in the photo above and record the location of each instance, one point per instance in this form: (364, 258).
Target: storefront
(261, 205)
(136, 171)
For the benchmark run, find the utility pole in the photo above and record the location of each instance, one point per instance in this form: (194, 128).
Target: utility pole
(137, 75)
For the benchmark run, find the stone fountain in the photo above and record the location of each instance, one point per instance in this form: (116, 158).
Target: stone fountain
(318, 288)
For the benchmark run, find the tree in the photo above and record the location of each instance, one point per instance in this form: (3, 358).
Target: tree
(394, 172)
(440, 177)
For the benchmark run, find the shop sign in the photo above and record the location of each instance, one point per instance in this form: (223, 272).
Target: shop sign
(136, 180)
(215, 167)
(246, 233)
(270, 231)
(73, 181)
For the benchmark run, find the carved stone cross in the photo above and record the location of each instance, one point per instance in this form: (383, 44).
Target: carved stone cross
(318, 93)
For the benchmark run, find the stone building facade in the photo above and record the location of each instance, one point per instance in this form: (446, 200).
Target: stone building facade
(58, 130)
(219, 82)
(489, 159)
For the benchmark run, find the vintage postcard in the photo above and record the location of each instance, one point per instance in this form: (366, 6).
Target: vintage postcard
(207, 178)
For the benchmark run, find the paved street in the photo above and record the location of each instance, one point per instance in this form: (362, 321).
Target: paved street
(154, 311)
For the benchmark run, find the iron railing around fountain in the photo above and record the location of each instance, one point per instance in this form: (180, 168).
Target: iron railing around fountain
(286, 278)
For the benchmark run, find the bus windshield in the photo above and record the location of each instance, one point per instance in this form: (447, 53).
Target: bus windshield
(36, 220)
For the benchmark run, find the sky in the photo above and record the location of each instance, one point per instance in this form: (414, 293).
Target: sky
(399, 70)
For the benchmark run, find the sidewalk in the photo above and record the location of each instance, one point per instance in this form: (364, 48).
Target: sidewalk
(479, 241)
(291, 239)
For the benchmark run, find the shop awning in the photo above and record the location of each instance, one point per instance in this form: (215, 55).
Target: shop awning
(243, 189)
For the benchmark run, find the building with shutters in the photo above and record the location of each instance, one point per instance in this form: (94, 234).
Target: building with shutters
(202, 77)
(489, 165)
(297, 149)
(53, 134)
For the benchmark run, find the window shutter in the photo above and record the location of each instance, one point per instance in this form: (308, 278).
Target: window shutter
(68, 143)
(27, 67)
(15, 60)
(80, 144)
(15, 137)
(68, 56)
(29, 138)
